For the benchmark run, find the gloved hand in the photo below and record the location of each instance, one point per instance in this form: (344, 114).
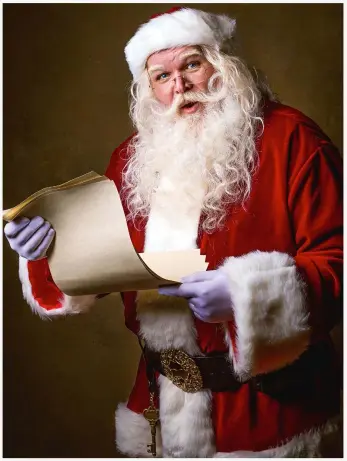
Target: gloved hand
(208, 294)
(30, 238)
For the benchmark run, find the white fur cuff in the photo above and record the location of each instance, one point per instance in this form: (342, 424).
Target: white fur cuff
(269, 312)
(69, 304)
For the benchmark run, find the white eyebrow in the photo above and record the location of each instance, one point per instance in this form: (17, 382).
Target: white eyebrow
(182, 56)
(156, 67)
(188, 54)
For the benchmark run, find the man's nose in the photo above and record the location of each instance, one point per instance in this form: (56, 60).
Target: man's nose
(181, 85)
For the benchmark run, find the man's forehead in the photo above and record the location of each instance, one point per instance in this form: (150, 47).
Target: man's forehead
(164, 57)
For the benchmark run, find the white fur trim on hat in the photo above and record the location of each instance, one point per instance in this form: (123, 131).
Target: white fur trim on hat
(183, 27)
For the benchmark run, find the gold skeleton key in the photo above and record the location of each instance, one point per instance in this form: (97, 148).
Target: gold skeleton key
(151, 414)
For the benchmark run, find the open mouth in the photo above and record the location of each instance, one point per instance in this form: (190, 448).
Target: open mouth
(190, 107)
(187, 106)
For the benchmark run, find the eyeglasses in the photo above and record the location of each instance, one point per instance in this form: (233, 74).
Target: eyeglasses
(193, 72)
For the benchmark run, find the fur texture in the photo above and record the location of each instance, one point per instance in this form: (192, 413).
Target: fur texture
(187, 429)
(270, 315)
(166, 322)
(183, 27)
(133, 433)
(69, 304)
(174, 231)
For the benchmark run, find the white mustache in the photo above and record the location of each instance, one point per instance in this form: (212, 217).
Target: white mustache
(193, 96)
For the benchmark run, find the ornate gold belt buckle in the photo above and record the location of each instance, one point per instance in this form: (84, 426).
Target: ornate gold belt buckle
(181, 370)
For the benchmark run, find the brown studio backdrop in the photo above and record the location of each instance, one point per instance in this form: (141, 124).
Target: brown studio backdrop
(65, 110)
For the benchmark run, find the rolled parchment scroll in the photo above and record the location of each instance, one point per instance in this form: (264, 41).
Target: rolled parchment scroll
(92, 251)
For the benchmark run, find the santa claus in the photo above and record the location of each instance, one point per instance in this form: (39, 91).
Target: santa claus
(237, 361)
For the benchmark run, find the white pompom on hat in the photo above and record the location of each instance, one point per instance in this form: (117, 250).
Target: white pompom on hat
(177, 27)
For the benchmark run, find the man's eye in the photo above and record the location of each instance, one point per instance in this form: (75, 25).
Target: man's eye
(162, 76)
(193, 65)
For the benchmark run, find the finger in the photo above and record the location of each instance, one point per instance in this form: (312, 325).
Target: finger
(195, 310)
(30, 230)
(43, 247)
(185, 290)
(35, 240)
(198, 316)
(169, 291)
(195, 304)
(202, 315)
(199, 309)
(13, 228)
(189, 290)
(198, 277)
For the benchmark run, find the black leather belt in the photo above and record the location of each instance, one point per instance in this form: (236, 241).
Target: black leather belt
(215, 372)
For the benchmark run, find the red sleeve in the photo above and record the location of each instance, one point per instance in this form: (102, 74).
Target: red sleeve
(43, 295)
(43, 288)
(315, 203)
(284, 302)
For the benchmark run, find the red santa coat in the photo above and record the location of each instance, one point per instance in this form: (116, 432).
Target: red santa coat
(283, 256)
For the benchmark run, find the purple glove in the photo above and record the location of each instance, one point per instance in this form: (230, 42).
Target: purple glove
(208, 294)
(30, 238)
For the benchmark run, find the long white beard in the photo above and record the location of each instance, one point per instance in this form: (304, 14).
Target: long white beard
(194, 149)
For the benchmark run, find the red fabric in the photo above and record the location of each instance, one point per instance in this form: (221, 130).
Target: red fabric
(275, 422)
(171, 10)
(295, 208)
(43, 289)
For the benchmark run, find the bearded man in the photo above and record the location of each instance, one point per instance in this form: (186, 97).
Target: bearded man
(217, 163)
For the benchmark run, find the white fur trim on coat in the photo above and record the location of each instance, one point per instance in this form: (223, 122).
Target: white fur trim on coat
(166, 322)
(183, 27)
(186, 426)
(269, 310)
(69, 304)
(133, 433)
(167, 231)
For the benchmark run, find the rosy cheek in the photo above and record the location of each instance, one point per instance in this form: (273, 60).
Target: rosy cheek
(201, 79)
(203, 84)
(163, 94)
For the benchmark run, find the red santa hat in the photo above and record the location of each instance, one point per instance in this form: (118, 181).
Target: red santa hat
(177, 27)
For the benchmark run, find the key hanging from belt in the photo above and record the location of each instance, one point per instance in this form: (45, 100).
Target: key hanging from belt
(151, 414)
